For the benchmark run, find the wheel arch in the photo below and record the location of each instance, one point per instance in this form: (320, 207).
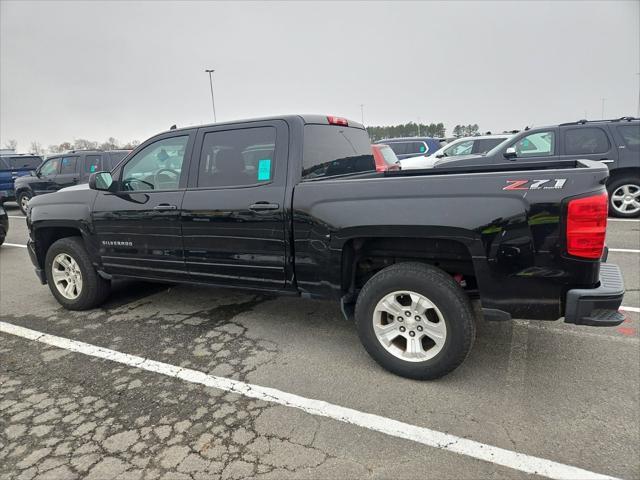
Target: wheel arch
(46, 235)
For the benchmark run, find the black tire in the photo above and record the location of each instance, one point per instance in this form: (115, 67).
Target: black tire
(2, 237)
(444, 293)
(95, 289)
(615, 184)
(22, 196)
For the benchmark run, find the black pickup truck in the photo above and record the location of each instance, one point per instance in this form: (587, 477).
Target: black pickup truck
(293, 205)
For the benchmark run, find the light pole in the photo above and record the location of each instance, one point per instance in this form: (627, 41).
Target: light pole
(362, 113)
(213, 103)
(602, 117)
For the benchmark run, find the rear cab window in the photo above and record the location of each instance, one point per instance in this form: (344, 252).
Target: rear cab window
(20, 162)
(334, 151)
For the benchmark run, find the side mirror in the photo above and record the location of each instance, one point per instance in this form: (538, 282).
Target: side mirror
(100, 181)
(510, 153)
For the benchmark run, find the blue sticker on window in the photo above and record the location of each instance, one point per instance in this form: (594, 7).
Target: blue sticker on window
(422, 149)
(93, 168)
(264, 169)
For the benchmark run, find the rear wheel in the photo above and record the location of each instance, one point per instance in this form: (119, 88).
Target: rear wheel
(624, 197)
(415, 321)
(72, 279)
(23, 201)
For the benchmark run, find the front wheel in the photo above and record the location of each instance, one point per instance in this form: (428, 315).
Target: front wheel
(624, 197)
(71, 277)
(415, 321)
(23, 201)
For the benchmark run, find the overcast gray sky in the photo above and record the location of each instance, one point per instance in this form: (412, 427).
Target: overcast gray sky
(92, 70)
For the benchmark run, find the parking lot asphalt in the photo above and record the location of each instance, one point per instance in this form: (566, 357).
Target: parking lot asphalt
(557, 392)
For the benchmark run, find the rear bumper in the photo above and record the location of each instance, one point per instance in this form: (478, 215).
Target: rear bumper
(597, 306)
(31, 248)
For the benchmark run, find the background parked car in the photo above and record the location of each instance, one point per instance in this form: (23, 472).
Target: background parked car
(13, 166)
(4, 224)
(385, 158)
(412, 146)
(64, 170)
(461, 146)
(614, 142)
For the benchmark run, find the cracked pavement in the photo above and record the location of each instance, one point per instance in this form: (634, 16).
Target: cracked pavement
(568, 394)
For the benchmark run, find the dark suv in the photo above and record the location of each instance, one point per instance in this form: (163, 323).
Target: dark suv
(614, 142)
(64, 170)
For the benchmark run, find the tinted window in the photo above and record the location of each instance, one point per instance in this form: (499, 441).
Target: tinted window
(536, 145)
(15, 163)
(417, 147)
(399, 148)
(331, 150)
(631, 136)
(92, 164)
(68, 165)
(115, 158)
(583, 141)
(157, 166)
(50, 167)
(483, 145)
(232, 158)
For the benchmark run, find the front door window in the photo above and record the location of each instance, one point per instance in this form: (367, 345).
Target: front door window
(158, 166)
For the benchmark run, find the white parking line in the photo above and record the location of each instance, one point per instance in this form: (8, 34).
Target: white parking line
(14, 245)
(630, 309)
(623, 220)
(425, 436)
(624, 250)
(16, 216)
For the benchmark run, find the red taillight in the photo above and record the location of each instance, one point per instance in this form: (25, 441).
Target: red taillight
(337, 121)
(587, 226)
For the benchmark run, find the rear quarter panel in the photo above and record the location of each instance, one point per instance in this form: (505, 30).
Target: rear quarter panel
(514, 237)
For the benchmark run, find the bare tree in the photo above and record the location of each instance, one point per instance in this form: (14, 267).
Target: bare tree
(131, 145)
(11, 144)
(36, 147)
(83, 144)
(110, 144)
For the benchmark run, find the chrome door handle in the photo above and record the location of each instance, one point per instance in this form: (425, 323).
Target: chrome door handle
(264, 206)
(165, 206)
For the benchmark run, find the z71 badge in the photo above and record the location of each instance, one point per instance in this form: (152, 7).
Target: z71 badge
(557, 183)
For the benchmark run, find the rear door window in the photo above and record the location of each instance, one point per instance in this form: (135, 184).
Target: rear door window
(235, 158)
(585, 141)
(333, 150)
(399, 148)
(92, 164)
(68, 165)
(631, 136)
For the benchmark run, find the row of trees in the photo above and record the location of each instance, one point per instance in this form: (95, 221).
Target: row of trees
(407, 130)
(412, 129)
(78, 144)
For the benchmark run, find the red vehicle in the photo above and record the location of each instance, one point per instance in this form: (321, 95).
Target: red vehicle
(385, 158)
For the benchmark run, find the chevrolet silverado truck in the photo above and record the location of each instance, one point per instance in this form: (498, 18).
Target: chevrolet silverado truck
(293, 205)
